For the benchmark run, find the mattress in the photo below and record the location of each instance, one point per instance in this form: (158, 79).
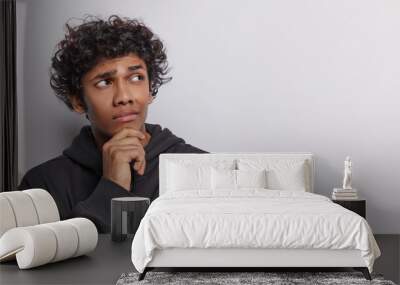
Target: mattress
(251, 219)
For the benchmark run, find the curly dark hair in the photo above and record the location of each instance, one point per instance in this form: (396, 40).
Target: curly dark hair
(95, 39)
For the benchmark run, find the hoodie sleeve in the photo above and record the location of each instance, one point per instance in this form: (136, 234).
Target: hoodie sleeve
(97, 207)
(33, 179)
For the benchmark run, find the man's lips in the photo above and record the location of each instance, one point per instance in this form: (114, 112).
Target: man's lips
(126, 117)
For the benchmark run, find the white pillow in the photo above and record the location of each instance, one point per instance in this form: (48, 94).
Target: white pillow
(223, 179)
(236, 179)
(181, 177)
(251, 178)
(282, 174)
(188, 175)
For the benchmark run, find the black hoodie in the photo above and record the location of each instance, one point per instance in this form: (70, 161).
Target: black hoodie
(75, 181)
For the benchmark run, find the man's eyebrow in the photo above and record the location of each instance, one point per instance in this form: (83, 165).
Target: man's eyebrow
(106, 74)
(110, 73)
(135, 67)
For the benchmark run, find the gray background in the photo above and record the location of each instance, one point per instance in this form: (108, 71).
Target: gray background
(249, 76)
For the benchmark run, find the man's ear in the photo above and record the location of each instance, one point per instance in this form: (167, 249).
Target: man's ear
(77, 104)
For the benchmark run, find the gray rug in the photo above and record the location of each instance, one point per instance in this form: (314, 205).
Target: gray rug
(269, 278)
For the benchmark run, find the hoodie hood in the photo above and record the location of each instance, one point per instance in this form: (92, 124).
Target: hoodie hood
(84, 151)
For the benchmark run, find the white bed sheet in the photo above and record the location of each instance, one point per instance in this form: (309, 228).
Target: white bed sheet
(250, 218)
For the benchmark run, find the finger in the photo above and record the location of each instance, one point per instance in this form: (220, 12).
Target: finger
(142, 167)
(134, 164)
(132, 154)
(141, 164)
(114, 149)
(128, 132)
(127, 141)
(126, 153)
(137, 165)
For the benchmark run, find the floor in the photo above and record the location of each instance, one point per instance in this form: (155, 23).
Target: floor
(388, 263)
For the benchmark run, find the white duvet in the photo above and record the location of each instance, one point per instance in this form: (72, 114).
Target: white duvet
(250, 218)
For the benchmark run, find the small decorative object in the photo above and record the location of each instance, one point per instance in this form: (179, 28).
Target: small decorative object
(347, 192)
(347, 174)
(126, 214)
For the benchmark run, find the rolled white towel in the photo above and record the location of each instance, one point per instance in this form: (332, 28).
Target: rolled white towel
(7, 218)
(23, 209)
(26, 208)
(87, 234)
(40, 244)
(45, 205)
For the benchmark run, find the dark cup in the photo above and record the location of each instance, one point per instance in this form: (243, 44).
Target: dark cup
(126, 214)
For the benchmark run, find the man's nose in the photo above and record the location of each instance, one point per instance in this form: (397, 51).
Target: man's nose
(122, 94)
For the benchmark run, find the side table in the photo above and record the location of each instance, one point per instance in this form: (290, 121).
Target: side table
(358, 206)
(126, 214)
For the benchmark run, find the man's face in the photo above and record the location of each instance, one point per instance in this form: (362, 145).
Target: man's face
(116, 94)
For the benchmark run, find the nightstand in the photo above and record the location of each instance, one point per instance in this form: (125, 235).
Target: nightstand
(126, 214)
(358, 206)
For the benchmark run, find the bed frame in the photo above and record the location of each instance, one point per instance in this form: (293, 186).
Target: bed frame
(244, 259)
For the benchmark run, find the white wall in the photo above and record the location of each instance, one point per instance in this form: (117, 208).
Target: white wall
(292, 75)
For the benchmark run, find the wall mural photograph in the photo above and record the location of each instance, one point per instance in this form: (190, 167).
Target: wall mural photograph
(212, 142)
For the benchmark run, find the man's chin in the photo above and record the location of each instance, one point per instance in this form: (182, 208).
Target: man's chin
(132, 125)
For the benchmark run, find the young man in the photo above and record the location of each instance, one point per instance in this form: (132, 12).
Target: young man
(109, 70)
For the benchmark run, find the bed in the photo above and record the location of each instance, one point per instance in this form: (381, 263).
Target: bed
(246, 210)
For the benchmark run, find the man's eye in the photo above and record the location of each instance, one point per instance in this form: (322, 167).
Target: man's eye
(103, 83)
(136, 77)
